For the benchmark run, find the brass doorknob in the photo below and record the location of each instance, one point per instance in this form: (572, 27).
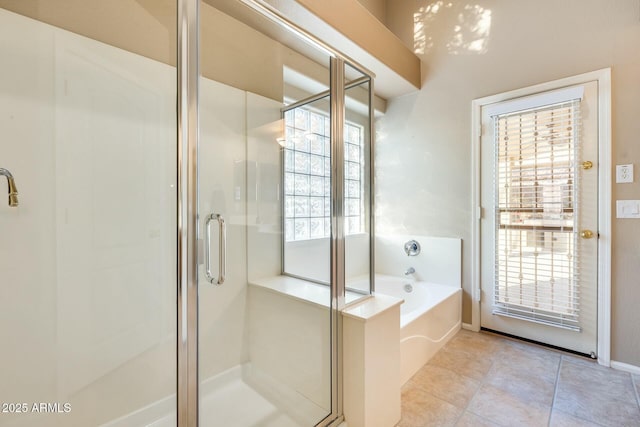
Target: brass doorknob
(586, 234)
(587, 165)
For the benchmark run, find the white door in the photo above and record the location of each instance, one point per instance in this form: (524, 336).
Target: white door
(539, 193)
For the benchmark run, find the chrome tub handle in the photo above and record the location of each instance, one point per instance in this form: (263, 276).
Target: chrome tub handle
(222, 251)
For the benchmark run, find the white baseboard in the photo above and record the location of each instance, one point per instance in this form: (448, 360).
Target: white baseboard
(468, 327)
(632, 369)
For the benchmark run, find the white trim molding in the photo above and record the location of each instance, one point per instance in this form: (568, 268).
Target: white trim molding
(604, 216)
(603, 77)
(476, 211)
(625, 367)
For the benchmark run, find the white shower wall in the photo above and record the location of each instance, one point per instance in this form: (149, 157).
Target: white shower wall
(27, 233)
(87, 277)
(311, 259)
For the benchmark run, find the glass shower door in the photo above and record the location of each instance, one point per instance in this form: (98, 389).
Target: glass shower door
(265, 337)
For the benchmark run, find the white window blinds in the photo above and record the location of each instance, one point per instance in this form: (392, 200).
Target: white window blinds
(536, 212)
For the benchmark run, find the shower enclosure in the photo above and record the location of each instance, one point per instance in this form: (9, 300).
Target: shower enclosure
(195, 208)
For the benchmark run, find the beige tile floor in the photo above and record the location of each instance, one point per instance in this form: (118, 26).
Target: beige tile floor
(482, 379)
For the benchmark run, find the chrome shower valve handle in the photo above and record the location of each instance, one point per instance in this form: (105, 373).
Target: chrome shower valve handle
(412, 248)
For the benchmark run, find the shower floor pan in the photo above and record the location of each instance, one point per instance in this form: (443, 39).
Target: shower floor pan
(236, 397)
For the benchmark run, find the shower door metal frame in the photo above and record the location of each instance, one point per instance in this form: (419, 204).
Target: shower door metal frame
(337, 114)
(188, 74)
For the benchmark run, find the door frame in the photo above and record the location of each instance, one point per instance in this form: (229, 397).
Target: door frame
(603, 77)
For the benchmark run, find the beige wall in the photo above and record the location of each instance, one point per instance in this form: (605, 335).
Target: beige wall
(378, 8)
(145, 27)
(423, 150)
(232, 52)
(349, 17)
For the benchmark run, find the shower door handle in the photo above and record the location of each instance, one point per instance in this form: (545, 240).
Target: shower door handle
(222, 255)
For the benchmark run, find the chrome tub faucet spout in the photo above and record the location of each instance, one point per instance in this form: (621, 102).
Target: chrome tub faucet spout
(409, 271)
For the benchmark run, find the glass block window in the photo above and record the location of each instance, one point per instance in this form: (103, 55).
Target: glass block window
(307, 176)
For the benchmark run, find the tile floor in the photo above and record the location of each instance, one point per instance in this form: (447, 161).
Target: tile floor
(482, 379)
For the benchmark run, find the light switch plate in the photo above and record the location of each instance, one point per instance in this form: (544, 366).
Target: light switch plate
(624, 173)
(627, 208)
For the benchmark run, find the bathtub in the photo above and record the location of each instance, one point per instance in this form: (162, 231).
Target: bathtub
(429, 317)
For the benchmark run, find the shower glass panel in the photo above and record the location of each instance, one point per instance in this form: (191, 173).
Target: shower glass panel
(88, 258)
(358, 179)
(307, 186)
(264, 338)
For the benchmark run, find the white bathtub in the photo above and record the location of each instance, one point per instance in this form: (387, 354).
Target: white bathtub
(429, 317)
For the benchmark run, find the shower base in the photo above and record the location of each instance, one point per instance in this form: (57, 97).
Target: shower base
(236, 397)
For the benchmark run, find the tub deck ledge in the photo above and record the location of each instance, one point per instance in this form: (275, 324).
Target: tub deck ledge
(371, 307)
